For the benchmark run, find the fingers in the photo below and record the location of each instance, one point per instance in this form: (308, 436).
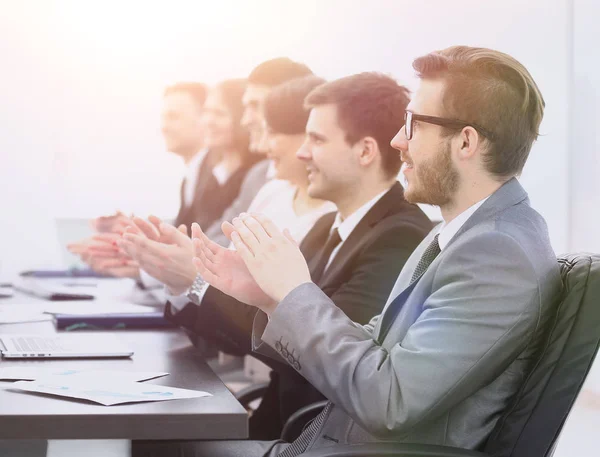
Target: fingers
(107, 238)
(208, 253)
(244, 234)
(267, 225)
(148, 229)
(198, 234)
(288, 235)
(112, 263)
(171, 235)
(103, 248)
(242, 249)
(132, 228)
(77, 248)
(154, 220)
(227, 229)
(205, 268)
(183, 229)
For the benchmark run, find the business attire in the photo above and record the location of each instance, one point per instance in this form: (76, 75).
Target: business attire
(357, 273)
(275, 200)
(452, 346)
(214, 192)
(206, 191)
(254, 179)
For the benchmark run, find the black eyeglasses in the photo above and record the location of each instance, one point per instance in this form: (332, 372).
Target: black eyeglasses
(410, 117)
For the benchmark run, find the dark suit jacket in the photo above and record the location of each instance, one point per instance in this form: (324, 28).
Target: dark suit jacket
(359, 279)
(210, 198)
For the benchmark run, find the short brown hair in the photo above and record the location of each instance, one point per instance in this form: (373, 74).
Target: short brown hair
(493, 90)
(368, 104)
(197, 91)
(284, 108)
(273, 72)
(232, 91)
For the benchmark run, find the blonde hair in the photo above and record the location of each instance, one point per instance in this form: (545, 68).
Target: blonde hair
(491, 89)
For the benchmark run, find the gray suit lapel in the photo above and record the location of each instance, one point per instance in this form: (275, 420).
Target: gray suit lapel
(510, 194)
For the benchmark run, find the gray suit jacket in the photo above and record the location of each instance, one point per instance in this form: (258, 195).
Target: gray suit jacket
(458, 344)
(254, 180)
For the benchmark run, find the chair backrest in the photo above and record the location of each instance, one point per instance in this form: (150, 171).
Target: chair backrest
(532, 423)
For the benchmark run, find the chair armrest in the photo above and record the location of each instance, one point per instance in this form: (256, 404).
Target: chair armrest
(392, 450)
(297, 421)
(251, 393)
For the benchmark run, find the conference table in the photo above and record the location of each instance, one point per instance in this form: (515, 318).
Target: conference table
(31, 416)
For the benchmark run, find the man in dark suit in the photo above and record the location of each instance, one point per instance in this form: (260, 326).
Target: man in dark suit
(356, 254)
(181, 127)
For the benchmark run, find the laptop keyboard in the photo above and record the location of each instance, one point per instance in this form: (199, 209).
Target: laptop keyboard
(35, 344)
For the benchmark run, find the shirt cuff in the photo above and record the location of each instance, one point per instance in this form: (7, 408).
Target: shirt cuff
(148, 281)
(194, 294)
(178, 302)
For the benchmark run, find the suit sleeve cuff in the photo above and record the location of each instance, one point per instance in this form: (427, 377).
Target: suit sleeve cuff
(267, 330)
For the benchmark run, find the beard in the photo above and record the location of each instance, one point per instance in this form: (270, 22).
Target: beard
(435, 181)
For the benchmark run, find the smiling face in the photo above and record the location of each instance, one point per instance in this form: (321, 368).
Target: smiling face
(332, 164)
(281, 149)
(431, 174)
(217, 121)
(253, 118)
(181, 123)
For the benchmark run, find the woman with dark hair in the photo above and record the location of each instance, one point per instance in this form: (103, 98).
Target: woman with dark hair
(285, 199)
(228, 159)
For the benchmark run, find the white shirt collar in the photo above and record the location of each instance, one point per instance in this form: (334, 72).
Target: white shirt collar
(346, 226)
(194, 164)
(191, 176)
(447, 231)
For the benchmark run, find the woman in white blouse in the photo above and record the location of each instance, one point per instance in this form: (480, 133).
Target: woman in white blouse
(285, 199)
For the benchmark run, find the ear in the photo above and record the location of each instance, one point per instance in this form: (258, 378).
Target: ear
(469, 143)
(368, 150)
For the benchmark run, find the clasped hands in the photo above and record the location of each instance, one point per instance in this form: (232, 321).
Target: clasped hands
(265, 267)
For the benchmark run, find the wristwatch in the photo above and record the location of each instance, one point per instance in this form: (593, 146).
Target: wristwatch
(196, 292)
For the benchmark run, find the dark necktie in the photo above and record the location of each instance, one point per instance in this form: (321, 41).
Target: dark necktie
(391, 312)
(318, 267)
(428, 256)
(301, 443)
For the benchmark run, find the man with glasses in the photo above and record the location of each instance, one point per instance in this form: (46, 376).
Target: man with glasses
(460, 329)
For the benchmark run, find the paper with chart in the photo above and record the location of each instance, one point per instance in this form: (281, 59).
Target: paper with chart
(106, 393)
(32, 373)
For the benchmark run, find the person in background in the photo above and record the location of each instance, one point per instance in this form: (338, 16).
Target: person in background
(182, 130)
(469, 311)
(224, 163)
(354, 253)
(264, 78)
(285, 198)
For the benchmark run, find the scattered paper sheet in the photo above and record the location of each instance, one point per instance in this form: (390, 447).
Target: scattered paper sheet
(33, 373)
(96, 308)
(107, 394)
(17, 316)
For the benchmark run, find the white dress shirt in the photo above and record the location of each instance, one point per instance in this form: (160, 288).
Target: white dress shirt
(191, 177)
(346, 226)
(447, 231)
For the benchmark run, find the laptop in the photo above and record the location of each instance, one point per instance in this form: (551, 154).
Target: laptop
(61, 346)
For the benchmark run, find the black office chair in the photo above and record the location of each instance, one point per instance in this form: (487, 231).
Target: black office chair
(532, 423)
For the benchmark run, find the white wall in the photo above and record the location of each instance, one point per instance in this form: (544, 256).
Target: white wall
(82, 82)
(584, 148)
